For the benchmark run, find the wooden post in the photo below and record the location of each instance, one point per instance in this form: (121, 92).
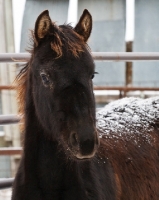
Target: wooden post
(128, 67)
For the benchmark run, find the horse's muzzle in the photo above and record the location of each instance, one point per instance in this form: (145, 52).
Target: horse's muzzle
(85, 146)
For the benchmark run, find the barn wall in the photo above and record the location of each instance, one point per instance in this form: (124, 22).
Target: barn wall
(146, 40)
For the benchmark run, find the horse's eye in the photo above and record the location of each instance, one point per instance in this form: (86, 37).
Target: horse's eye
(45, 79)
(93, 75)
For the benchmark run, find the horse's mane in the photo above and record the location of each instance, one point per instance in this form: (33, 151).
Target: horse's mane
(21, 85)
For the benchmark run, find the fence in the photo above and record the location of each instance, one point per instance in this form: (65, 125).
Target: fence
(104, 56)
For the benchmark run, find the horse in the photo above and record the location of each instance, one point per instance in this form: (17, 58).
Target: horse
(69, 151)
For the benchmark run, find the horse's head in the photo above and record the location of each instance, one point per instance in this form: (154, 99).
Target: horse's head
(61, 71)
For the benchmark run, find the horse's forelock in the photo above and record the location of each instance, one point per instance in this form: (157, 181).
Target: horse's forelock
(66, 38)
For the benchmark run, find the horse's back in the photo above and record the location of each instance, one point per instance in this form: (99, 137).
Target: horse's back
(129, 135)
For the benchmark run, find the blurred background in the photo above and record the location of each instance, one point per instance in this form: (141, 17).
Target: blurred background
(118, 26)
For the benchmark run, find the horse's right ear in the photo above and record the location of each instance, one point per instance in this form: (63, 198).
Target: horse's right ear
(42, 26)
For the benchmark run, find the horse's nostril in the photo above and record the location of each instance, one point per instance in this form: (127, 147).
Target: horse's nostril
(74, 139)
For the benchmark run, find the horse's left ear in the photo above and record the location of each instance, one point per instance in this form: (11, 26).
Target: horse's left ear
(84, 26)
(42, 26)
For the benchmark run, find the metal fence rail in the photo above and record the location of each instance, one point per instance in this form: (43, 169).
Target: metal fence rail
(9, 119)
(8, 151)
(6, 183)
(105, 56)
(101, 87)
(125, 56)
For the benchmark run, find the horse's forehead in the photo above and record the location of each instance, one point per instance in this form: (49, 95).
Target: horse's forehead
(83, 62)
(69, 69)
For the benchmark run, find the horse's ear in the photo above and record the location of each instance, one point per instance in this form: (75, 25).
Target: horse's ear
(42, 26)
(84, 26)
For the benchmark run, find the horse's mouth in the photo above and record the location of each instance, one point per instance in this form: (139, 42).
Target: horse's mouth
(76, 153)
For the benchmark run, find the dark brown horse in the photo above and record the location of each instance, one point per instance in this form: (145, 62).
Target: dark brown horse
(63, 158)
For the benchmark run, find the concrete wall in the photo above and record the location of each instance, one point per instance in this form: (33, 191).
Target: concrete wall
(146, 39)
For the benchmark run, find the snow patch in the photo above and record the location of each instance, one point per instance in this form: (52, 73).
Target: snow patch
(129, 118)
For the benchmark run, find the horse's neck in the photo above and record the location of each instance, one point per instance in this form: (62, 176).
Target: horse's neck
(33, 130)
(35, 135)
(37, 146)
